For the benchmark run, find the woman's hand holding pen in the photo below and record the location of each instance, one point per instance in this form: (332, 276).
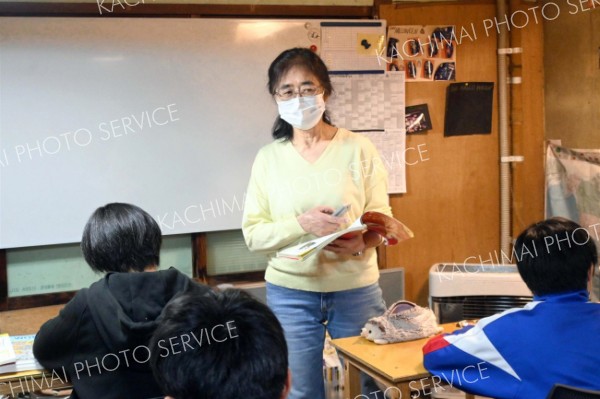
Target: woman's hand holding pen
(320, 222)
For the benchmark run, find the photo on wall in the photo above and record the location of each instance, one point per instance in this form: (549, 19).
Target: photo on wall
(416, 119)
(425, 53)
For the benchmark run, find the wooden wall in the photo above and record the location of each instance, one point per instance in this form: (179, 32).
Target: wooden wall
(452, 203)
(527, 122)
(572, 63)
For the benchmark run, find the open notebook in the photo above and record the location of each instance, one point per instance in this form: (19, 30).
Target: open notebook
(392, 230)
(22, 351)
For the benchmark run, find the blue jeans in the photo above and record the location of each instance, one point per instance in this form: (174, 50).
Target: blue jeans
(303, 315)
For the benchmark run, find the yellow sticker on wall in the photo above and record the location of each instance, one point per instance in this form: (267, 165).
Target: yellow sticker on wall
(369, 43)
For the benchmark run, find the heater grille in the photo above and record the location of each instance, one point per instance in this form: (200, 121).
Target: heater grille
(456, 308)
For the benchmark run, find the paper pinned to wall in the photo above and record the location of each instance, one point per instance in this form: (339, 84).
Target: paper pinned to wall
(375, 106)
(391, 145)
(426, 53)
(368, 102)
(469, 108)
(353, 47)
(573, 190)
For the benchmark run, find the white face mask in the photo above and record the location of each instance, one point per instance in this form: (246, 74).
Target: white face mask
(302, 112)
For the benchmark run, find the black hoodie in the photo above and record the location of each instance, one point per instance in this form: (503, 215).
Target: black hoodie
(100, 338)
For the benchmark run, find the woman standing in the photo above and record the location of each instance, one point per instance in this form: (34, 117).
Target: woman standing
(297, 182)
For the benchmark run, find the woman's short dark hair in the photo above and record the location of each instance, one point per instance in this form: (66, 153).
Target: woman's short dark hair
(121, 238)
(555, 256)
(297, 57)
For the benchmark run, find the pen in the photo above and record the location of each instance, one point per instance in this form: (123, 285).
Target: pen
(341, 210)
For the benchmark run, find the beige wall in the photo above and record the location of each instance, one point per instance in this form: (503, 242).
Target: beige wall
(572, 69)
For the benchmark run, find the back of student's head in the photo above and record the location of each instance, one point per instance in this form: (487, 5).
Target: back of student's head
(121, 238)
(555, 256)
(236, 348)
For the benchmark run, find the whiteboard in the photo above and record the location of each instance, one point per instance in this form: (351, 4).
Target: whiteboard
(167, 114)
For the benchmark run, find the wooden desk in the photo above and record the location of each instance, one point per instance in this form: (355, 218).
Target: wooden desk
(24, 322)
(397, 365)
(27, 321)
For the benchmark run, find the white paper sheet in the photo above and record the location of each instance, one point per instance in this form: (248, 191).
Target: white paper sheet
(391, 145)
(368, 102)
(348, 47)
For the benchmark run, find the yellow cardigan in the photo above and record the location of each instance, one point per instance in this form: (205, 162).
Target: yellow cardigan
(283, 185)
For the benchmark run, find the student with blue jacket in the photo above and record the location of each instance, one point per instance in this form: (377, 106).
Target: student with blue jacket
(522, 353)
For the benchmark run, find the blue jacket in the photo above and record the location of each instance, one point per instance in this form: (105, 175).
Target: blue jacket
(522, 353)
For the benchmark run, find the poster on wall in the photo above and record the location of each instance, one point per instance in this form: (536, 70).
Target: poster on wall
(367, 102)
(417, 119)
(373, 105)
(348, 47)
(469, 108)
(426, 53)
(573, 191)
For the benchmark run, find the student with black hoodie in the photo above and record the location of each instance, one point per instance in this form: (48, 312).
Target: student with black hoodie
(100, 338)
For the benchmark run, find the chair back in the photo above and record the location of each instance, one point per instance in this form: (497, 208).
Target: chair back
(560, 391)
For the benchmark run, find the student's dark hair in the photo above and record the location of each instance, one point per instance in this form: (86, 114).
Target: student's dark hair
(121, 238)
(248, 358)
(297, 57)
(555, 256)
